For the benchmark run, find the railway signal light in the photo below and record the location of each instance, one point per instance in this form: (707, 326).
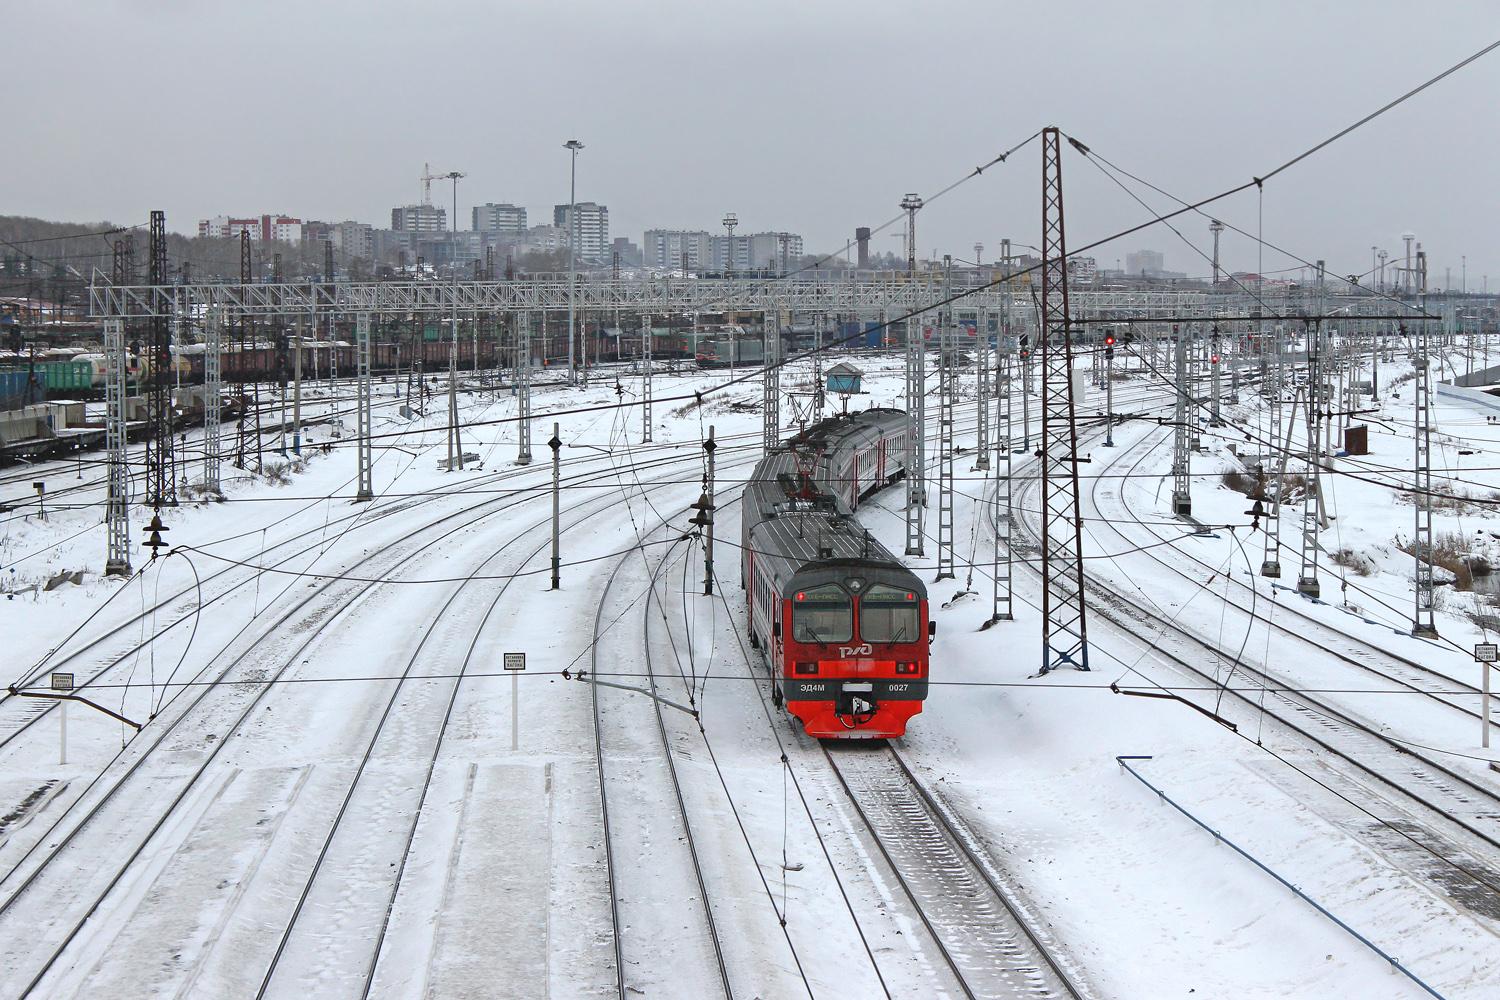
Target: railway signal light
(1109, 340)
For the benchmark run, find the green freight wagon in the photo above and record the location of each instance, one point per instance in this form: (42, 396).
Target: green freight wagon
(69, 375)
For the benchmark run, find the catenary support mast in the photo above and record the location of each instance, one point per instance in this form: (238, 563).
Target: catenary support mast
(366, 489)
(946, 568)
(117, 507)
(1064, 621)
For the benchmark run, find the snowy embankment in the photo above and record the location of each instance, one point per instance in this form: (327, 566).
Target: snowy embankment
(492, 878)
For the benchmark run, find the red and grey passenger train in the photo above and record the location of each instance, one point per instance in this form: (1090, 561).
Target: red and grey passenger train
(841, 621)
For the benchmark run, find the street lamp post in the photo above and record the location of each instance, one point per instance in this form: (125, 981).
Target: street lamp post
(573, 146)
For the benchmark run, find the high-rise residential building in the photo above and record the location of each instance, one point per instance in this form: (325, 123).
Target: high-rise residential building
(628, 253)
(223, 225)
(282, 228)
(419, 219)
(729, 253)
(1145, 262)
(316, 232)
(666, 248)
(354, 239)
(593, 228)
(493, 218)
(768, 251)
(1083, 269)
(543, 239)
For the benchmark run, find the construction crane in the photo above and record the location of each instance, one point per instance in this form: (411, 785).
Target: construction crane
(427, 178)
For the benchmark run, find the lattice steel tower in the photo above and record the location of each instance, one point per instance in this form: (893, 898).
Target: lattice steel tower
(916, 425)
(1064, 621)
(161, 485)
(1183, 415)
(1423, 622)
(770, 386)
(946, 568)
(117, 504)
(523, 388)
(1312, 503)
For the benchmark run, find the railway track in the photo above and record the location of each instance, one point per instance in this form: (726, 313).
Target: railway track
(990, 942)
(644, 845)
(363, 836)
(341, 601)
(1467, 807)
(183, 605)
(1401, 671)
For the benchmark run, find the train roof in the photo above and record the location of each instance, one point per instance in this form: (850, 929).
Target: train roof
(809, 542)
(826, 433)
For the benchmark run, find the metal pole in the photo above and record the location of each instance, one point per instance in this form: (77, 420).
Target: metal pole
(1004, 395)
(523, 388)
(572, 145)
(982, 393)
(366, 490)
(770, 381)
(916, 491)
(62, 732)
(1270, 565)
(708, 488)
(946, 561)
(1484, 707)
(1109, 397)
(297, 398)
(515, 710)
(1312, 504)
(556, 445)
(1182, 499)
(117, 508)
(646, 378)
(212, 397)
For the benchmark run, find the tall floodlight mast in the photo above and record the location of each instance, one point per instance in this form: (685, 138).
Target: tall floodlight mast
(1064, 625)
(572, 146)
(1216, 227)
(730, 220)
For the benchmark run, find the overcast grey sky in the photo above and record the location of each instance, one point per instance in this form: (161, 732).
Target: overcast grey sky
(814, 116)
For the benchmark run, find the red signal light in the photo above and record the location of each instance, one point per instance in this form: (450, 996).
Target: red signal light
(1109, 340)
(801, 597)
(1216, 359)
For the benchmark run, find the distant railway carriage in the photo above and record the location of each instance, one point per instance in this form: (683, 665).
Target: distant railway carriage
(842, 621)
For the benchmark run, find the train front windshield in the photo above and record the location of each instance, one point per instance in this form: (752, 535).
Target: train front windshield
(822, 614)
(888, 614)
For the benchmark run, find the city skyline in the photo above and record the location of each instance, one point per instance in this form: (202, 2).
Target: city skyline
(658, 154)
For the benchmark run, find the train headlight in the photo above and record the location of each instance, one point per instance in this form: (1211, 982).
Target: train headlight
(806, 668)
(906, 668)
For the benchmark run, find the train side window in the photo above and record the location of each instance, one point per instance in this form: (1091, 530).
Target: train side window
(888, 614)
(822, 614)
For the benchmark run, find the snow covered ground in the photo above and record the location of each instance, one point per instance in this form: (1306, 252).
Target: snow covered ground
(324, 799)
